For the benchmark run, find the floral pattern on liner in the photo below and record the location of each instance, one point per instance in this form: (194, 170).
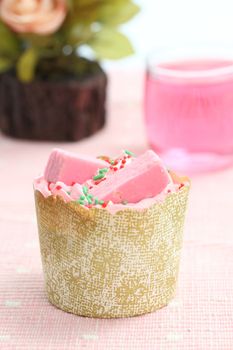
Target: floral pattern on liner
(101, 265)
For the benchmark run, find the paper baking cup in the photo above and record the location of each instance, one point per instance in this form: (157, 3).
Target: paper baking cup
(99, 264)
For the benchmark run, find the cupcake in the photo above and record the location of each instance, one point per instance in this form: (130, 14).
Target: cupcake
(110, 232)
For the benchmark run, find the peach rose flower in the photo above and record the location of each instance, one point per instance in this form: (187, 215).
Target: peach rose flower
(33, 16)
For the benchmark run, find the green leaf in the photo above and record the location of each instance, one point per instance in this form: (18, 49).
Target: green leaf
(118, 13)
(108, 43)
(5, 64)
(85, 3)
(39, 41)
(26, 65)
(78, 33)
(70, 5)
(9, 44)
(85, 15)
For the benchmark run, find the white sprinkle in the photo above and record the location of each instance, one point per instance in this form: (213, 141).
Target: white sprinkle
(174, 336)
(12, 303)
(175, 303)
(17, 218)
(219, 299)
(4, 337)
(90, 336)
(31, 244)
(22, 269)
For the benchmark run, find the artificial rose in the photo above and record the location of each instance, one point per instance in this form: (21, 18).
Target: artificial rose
(33, 16)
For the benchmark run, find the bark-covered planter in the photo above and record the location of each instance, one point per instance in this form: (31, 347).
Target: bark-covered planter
(55, 110)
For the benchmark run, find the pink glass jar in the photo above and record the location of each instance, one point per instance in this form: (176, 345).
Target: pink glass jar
(189, 108)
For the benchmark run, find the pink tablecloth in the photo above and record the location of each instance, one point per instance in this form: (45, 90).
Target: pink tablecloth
(201, 315)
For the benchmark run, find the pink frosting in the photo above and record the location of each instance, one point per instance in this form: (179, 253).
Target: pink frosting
(74, 192)
(126, 182)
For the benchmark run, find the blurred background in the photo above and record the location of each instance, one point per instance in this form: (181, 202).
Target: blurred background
(176, 22)
(57, 100)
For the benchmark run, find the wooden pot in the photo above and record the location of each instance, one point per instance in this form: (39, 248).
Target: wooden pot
(63, 110)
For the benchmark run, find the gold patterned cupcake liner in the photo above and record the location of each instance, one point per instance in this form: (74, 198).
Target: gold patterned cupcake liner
(99, 264)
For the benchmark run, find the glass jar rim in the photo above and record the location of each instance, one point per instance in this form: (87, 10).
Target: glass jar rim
(165, 55)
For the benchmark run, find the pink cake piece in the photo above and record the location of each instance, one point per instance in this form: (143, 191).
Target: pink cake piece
(69, 167)
(144, 177)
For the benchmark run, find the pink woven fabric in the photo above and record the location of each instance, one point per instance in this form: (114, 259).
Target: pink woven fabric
(201, 315)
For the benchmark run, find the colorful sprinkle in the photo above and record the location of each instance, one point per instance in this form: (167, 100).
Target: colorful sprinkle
(105, 158)
(99, 181)
(103, 170)
(89, 200)
(98, 177)
(101, 174)
(129, 153)
(86, 198)
(85, 190)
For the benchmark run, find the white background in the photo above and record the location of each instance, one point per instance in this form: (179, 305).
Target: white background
(177, 22)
